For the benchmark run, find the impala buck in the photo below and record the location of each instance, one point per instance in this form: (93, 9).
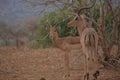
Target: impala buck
(59, 42)
(89, 42)
(64, 43)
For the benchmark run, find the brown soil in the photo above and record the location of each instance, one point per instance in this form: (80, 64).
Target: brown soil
(44, 64)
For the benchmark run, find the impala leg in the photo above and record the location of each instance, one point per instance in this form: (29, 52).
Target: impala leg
(86, 75)
(96, 74)
(67, 64)
(93, 55)
(85, 67)
(97, 65)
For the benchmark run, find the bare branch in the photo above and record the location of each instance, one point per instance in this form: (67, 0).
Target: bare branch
(115, 24)
(86, 7)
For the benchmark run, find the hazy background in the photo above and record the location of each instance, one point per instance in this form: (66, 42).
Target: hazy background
(13, 10)
(19, 19)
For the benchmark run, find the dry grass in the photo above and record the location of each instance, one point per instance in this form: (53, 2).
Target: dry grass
(33, 64)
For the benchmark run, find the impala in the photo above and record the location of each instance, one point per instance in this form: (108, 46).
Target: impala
(89, 42)
(60, 42)
(64, 43)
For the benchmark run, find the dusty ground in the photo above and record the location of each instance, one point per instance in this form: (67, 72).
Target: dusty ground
(33, 64)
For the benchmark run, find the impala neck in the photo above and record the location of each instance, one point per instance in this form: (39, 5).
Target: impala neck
(54, 38)
(81, 25)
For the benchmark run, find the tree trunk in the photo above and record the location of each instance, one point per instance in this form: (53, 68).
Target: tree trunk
(6, 43)
(102, 30)
(118, 54)
(17, 43)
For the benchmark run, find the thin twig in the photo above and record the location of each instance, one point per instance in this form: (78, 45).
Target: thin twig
(44, 37)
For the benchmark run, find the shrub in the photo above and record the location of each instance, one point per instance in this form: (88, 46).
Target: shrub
(55, 19)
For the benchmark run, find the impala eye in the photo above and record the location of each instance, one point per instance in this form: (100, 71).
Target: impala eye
(55, 30)
(76, 18)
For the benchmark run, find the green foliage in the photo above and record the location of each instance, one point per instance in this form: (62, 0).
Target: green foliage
(39, 44)
(2, 44)
(33, 44)
(55, 19)
(96, 13)
(109, 24)
(108, 21)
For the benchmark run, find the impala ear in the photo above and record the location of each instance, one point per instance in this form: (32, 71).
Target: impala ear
(55, 29)
(47, 27)
(58, 28)
(76, 18)
(82, 16)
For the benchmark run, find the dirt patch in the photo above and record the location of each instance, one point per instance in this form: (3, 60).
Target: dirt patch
(44, 64)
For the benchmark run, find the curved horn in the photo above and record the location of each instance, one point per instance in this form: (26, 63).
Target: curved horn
(86, 7)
